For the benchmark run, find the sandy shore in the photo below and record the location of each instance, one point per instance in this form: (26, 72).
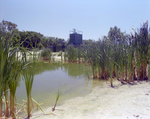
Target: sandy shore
(122, 102)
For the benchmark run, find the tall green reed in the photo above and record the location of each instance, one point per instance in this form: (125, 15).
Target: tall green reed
(28, 76)
(7, 55)
(71, 52)
(128, 59)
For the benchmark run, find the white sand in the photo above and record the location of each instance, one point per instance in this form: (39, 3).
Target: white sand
(124, 102)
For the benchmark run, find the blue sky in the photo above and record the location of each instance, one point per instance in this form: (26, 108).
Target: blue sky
(57, 17)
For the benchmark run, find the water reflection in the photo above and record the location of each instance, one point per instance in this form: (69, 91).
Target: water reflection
(50, 77)
(73, 70)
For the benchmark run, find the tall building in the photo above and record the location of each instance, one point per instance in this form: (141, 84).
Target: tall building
(75, 37)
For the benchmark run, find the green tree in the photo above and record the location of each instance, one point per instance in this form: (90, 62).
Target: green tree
(6, 28)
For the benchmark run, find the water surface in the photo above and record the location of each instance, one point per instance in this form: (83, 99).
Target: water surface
(69, 78)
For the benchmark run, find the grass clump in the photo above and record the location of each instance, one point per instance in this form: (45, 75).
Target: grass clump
(59, 94)
(46, 54)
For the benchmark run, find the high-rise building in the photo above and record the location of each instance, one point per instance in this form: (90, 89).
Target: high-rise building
(75, 37)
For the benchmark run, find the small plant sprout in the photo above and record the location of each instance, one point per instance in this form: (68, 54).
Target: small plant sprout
(59, 94)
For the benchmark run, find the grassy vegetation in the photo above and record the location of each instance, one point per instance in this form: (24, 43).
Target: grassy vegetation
(46, 54)
(127, 59)
(57, 98)
(59, 94)
(28, 76)
(60, 54)
(10, 76)
(7, 61)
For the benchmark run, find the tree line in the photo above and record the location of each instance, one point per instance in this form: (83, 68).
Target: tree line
(28, 39)
(32, 39)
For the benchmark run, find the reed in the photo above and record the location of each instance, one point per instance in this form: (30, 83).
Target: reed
(57, 98)
(127, 60)
(90, 54)
(65, 55)
(28, 76)
(46, 54)
(13, 84)
(10, 68)
(59, 94)
(79, 54)
(7, 58)
(71, 52)
(60, 54)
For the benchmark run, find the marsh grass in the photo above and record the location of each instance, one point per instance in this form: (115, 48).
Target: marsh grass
(7, 59)
(28, 76)
(71, 53)
(127, 60)
(10, 68)
(46, 54)
(59, 94)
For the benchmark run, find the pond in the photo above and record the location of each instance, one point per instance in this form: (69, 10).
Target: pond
(69, 78)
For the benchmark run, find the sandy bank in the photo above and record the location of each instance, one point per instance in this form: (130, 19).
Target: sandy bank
(124, 102)
(37, 54)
